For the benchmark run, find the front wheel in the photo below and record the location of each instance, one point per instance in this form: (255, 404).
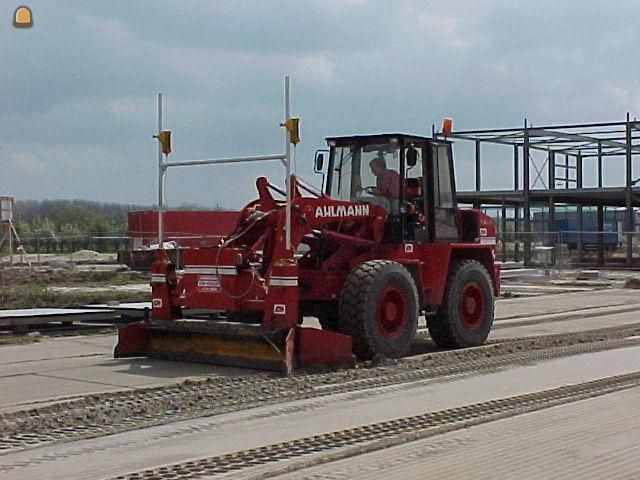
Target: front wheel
(466, 315)
(379, 309)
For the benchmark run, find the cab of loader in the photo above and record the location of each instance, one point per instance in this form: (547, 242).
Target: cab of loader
(412, 177)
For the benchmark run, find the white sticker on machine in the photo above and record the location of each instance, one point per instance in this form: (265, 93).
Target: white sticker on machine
(156, 303)
(208, 283)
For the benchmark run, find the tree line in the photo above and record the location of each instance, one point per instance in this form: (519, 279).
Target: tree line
(64, 218)
(68, 218)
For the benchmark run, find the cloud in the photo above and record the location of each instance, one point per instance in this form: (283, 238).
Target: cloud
(79, 89)
(442, 27)
(318, 68)
(21, 163)
(110, 29)
(622, 96)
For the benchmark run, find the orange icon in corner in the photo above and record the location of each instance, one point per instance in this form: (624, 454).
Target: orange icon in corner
(22, 18)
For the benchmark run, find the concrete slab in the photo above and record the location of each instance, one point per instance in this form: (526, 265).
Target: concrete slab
(559, 327)
(59, 368)
(577, 314)
(591, 439)
(542, 289)
(48, 312)
(133, 311)
(565, 302)
(57, 348)
(128, 311)
(129, 287)
(205, 437)
(122, 306)
(513, 266)
(45, 366)
(33, 316)
(24, 391)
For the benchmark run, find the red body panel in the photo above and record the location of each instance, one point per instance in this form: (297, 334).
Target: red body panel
(428, 263)
(323, 347)
(191, 228)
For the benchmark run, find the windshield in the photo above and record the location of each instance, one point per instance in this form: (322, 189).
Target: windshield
(361, 173)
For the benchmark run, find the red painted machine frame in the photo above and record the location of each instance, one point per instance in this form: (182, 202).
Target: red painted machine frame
(252, 272)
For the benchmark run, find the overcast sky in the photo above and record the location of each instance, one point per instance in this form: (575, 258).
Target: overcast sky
(78, 90)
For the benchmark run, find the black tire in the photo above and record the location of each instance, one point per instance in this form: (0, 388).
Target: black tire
(379, 309)
(466, 315)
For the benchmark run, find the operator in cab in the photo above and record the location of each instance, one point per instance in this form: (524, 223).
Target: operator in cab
(387, 182)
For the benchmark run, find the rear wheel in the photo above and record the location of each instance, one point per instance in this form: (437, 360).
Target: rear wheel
(379, 309)
(466, 315)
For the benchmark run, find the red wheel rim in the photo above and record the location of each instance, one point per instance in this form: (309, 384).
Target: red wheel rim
(472, 306)
(392, 312)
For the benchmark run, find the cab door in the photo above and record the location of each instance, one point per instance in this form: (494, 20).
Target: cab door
(444, 193)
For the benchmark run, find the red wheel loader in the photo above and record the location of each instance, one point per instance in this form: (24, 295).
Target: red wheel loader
(382, 244)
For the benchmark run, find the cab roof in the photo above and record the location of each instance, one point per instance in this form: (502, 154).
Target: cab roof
(378, 138)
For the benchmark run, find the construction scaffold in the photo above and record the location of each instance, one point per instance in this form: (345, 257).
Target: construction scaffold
(548, 164)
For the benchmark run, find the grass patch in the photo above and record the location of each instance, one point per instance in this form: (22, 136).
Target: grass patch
(37, 295)
(30, 288)
(69, 277)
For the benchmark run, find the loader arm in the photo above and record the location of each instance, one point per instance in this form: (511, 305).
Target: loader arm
(262, 222)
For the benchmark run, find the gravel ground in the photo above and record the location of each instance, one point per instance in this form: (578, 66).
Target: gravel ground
(96, 415)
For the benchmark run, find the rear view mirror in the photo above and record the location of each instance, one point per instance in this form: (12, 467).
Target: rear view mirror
(319, 161)
(318, 164)
(412, 156)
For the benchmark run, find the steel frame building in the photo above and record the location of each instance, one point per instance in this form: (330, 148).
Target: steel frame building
(565, 148)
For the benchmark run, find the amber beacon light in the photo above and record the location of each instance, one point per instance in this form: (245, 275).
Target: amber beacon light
(23, 18)
(447, 126)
